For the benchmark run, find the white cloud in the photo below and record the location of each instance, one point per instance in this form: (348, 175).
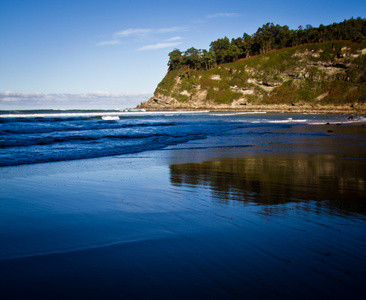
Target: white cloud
(217, 15)
(158, 46)
(106, 94)
(94, 100)
(223, 15)
(172, 29)
(175, 38)
(133, 31)
(9, 96)
(111, 42)
(141, 32)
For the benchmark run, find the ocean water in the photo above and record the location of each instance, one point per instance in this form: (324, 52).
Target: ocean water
(45, 136)
(179, 205)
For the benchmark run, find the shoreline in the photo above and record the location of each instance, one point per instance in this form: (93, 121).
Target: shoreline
(358, 110)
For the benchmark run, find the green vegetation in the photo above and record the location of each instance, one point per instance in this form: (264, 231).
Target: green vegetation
(276, 65)
(267, 38)
(323, 73)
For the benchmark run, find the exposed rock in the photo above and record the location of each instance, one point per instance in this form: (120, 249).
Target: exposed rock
(268, 86)
(215, 77)
(322, 96)
(308, 53)
(249, 85)
(186, 93)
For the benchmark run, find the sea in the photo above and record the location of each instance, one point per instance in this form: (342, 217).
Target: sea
(98, 204)
(30, 137)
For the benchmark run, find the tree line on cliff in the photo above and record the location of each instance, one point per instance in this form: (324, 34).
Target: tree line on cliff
(266, 38)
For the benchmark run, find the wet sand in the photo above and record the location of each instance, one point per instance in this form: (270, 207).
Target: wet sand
(277, 216)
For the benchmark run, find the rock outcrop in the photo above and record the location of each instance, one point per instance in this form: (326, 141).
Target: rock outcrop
(308, 77)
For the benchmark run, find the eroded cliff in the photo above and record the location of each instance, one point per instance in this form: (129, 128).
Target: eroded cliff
(307, 77)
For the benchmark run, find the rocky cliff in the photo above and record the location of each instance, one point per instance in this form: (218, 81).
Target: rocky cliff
(308, 77)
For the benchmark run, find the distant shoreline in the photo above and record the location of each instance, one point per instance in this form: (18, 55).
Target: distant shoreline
(280, 108)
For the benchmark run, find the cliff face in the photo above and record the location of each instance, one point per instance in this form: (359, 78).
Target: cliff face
(316, 75)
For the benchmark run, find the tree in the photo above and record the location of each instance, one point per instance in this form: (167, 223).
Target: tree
(209, 59)
(285, 37)
(175, 60)
(192, 58)
(248, 43)
(220, 47)
(233, 53)
(265, 39)
(239, 42)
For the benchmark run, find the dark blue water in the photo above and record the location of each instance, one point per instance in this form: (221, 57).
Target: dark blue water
(115, 205)
(46, 136)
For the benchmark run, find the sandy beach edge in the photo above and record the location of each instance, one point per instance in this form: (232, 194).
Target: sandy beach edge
(280, 108)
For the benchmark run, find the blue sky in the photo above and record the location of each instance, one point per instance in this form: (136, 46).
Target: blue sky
(85, 51)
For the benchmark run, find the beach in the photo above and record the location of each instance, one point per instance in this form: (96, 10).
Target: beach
(350, 109)
(271, 210)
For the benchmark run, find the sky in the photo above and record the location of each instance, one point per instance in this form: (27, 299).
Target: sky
(112, 54)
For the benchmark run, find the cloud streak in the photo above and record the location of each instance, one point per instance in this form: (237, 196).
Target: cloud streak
(172, 29)
(175, 38)
(223, 15)
(111, 42)
(95, 100)
(145, 32)
(216, 16)
(158, 46)
(133, 32)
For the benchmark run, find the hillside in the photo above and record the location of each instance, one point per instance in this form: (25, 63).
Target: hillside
(314, 77)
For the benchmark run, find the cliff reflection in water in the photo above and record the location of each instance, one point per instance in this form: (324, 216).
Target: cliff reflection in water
(334, 182)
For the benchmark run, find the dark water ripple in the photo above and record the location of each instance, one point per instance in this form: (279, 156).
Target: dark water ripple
(28, 140)
(34, 140)
(235, 207)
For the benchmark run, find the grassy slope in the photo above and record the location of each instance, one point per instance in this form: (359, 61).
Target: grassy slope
(297, 75)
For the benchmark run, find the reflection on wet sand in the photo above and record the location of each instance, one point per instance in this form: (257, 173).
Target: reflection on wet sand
(333, 182)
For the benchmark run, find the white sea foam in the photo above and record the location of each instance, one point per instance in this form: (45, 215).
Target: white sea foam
(96, 114)
(339, 121)
(60, 115)
(238, 113)
(289, 120)
(110, 118)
